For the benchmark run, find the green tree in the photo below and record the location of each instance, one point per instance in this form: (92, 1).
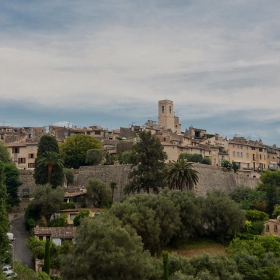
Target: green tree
(276, 211)
(46, 144)
(191, 157)
(165, 265)
(98, 193)
(115, 252)
(113, 186)
(95, 156)
(4, 222)
(12, 183)
(223, 217)
(69, 176)
(78, 219)
(123, 157)
(47, 201)
(148, 167)
(5, 156)
(75, 147)
(154, 217)
(272, 198)
(60, 221)
(181, 174)
(235, 166)
(47, 259)
(256, 215)
(190, 210)
(49, 160)
(25, 273)
(226, 164)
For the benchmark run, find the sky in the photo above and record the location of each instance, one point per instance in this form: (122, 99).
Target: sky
(108, 63)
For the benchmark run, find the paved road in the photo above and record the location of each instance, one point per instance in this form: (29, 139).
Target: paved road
(20, 235)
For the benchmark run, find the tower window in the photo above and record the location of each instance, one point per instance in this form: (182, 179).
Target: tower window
(170, 109)
(162, 109)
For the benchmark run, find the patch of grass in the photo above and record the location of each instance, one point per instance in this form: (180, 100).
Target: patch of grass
(199, 246)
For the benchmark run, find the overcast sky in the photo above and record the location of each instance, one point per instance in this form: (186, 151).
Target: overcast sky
(109, 62)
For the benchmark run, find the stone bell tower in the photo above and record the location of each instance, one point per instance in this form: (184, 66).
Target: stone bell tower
(166, 114)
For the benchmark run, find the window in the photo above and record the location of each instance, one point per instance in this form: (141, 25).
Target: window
(31, 155)
(31, 148)
(260, 149)
(48, 238)
(260, 156)
(253, 148)
(72, 216)
(232, 146)
(15, 150)
(162, 109)
(233, 153)
(247, 155)
(40, 237)
(170, 109)
(97, 132)
(31, 165)
(275, 228)
(267, 228)
(247, 147)
(237, 154)
(241, 154)
(21, 160)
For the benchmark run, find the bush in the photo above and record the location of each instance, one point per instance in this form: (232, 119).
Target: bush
(256, 215)
(69, 176)
(67, 205)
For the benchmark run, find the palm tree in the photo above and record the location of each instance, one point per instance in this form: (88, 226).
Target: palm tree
(50, 159)
(180, 174)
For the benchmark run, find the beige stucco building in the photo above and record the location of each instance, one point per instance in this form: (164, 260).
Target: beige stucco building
(23, 154)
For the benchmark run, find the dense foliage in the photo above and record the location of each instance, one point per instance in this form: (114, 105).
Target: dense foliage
(5, 156)
(12, 183)
(195, 158)
(181, 175)
(95, 156)
(46, 202)
(148, 167)
(46, 145)
(104, 249)
(75, 147)
(4, 222)
(98, 193)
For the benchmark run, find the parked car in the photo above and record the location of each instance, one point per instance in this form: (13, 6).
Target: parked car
(10, 236)
(10, 274)
(6, 267)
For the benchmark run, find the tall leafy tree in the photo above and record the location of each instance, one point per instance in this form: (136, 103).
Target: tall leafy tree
(50, 159)
(98, 193)
(47, 144)
(47, 201)
(148, 167)
(5, 156)
(154, 217)
(4, 222)
(105, 250)
(95, 156)
(75, 147)
(181, 174)
(12, 183)
(223, 216)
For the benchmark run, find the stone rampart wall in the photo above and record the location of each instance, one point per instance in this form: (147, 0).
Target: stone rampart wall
(210, 177)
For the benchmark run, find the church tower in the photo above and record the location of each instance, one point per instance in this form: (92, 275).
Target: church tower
(166, 114)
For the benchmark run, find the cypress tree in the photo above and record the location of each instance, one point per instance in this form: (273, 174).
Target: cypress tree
(47, 144)
(4, 222)
(47, 258)
(165, 265)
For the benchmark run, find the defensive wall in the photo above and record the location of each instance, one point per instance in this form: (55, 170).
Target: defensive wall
(210, 177)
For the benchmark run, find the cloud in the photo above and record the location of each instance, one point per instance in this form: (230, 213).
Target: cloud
(111, 61)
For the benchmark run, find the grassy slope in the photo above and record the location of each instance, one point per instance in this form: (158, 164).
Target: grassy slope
(198, 247)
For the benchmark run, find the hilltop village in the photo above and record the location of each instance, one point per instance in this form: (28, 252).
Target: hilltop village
(251, 157)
